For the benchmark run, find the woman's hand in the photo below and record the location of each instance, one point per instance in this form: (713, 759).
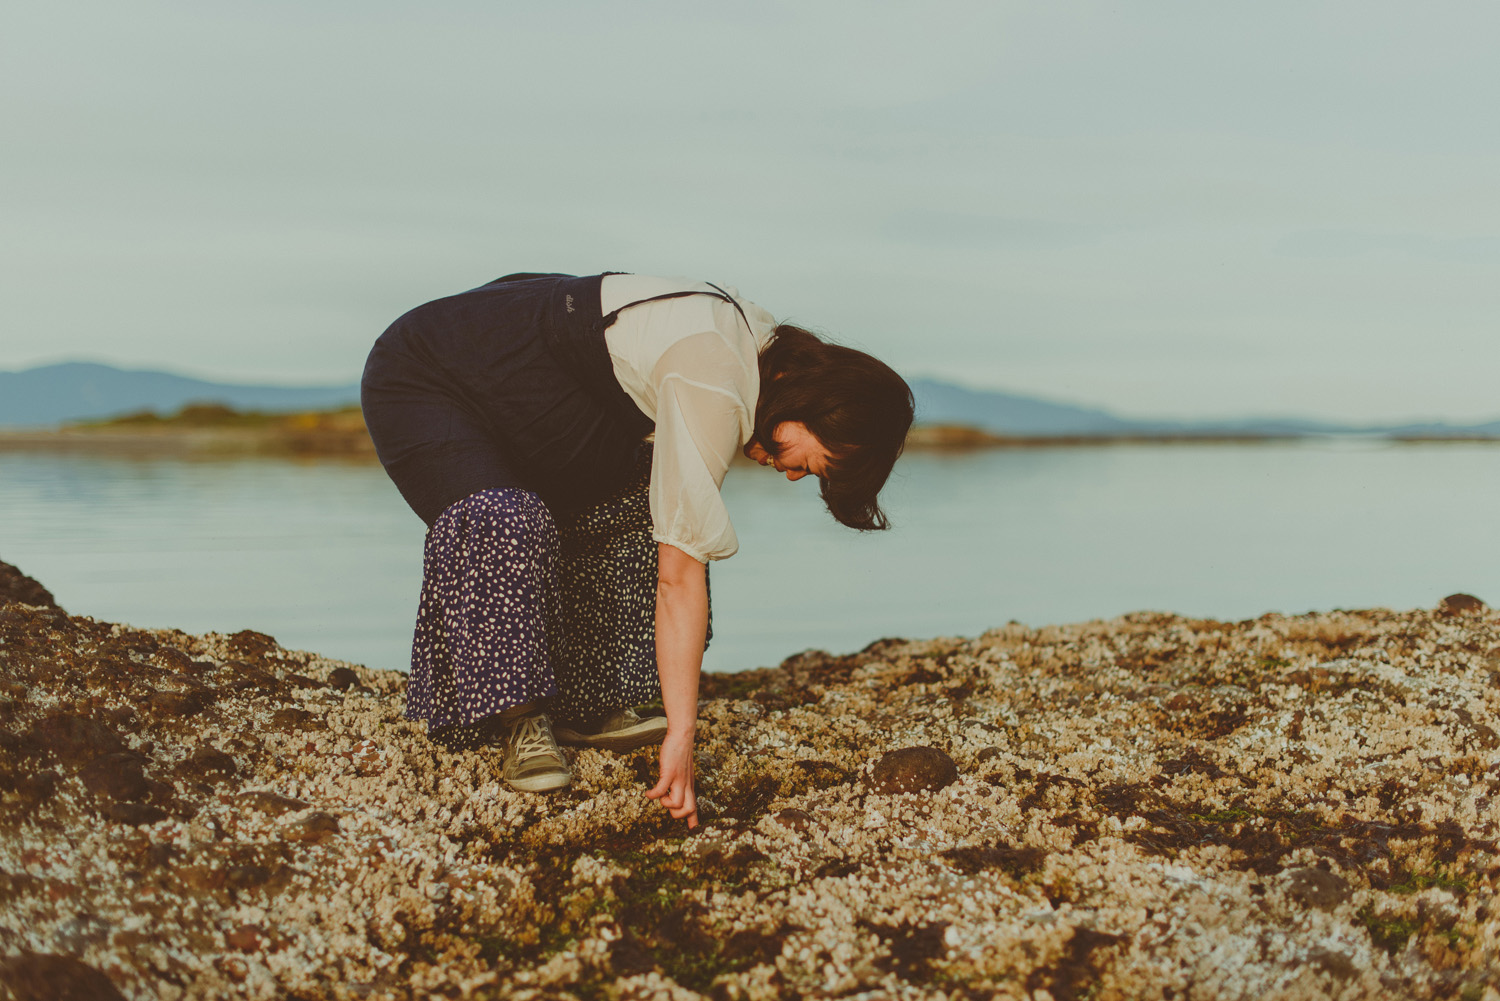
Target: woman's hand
(675, 790)
(681, 625)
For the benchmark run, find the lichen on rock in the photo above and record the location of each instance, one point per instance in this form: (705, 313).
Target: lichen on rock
(1149, 807)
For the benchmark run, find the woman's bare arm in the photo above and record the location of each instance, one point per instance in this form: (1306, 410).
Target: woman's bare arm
(681, 626)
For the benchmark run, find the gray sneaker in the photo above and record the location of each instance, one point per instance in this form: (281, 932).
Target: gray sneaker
(622, 730)
(533, 761)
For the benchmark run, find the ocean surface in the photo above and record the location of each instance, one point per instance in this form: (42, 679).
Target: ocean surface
(326, 557)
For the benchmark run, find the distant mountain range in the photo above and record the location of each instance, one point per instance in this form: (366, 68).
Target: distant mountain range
(1026, 416)
(79, 391)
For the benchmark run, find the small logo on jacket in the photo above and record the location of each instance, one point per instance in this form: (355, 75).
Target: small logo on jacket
(568, 301)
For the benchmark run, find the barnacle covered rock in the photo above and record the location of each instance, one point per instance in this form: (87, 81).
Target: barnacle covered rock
(1149, 807)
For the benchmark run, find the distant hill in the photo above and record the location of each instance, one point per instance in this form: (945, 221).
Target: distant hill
(81, 391)
(1026, 416)
(1007, 413)
(76, 391)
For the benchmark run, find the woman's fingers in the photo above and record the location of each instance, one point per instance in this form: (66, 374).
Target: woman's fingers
(668, 790)
(689, 809)
(678, 799)
(675, 788)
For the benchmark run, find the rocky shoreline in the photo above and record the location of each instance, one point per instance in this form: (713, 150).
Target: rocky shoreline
(1146, 808)
(216, 432)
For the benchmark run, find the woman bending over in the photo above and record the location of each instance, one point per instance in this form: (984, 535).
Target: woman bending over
(565, 439)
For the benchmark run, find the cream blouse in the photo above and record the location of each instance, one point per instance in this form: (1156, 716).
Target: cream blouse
(691, 365)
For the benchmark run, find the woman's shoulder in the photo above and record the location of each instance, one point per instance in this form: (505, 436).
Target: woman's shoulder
(619, 290)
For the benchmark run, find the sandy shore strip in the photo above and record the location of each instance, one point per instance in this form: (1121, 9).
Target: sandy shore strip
(1150, 807)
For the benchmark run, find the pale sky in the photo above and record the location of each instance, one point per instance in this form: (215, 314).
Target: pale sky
(1177, 209)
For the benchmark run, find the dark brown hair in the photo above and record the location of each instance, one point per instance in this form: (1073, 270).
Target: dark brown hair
(856, 405)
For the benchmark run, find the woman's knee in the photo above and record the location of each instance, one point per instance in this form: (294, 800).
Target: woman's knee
(513, 519)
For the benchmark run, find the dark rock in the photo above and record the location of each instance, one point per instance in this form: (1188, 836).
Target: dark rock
(912, 947)
(179, 705)
(104, 673)
(1485, 736)
(208, 762)
(750, 947)
(1456, 604)
(16, 586)
(199, 879)
(342, 678)
(252, 876)
(314, 828)
(780, 699)
(117, 777)
(134, 814)
(120, 716)
(795, 820)
(177, 661)
(1075, 971)
(913, 768)
(248, 677)
(13, 746)
(34, 976)
(164, 792)
(248, 643)
(1335, 964)
(272, 803)
(246, 877)
(1316, 888)
(74, 738)
(161, 856)
(836, 869)
(15, 885)
(810, 774)
(1016, 861)
(37, 787)
(36, 622)
(288, 720)
(245, 938)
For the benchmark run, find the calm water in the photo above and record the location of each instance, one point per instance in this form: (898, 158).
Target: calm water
(326, 557)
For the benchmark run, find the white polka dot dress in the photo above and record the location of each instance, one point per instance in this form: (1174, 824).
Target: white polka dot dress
(517, 607)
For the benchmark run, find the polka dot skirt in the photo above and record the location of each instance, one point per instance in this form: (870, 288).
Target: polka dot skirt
(518, 607)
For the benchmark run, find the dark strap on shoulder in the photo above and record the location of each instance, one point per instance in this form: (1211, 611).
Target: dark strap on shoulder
(718, 293)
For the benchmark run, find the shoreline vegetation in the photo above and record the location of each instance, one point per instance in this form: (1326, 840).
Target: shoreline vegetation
(211, 430)
(1145, 807)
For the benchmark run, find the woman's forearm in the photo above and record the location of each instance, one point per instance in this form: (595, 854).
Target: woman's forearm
(681, 626)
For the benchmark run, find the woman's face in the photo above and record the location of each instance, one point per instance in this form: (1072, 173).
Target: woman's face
(801, 452)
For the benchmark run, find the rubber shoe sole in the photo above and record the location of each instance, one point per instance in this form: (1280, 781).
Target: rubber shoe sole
(547, 782)
(641, 733)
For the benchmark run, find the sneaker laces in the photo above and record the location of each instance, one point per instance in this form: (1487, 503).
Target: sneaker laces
(532, 738)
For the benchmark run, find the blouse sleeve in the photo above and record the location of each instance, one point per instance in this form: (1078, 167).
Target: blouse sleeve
(701, 419)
